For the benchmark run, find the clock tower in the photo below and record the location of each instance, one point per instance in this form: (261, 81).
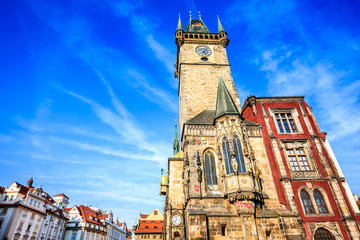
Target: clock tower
(263, 171)
(201, 56)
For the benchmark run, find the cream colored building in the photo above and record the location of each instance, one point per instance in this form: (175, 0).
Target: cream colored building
(22, 211)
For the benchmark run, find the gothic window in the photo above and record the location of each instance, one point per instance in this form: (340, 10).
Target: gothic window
(285, 122)
(297, 159)
(323, 234)
(239, 154)
(319, 200)
(210, 167)
(306, 201)
(227, 156)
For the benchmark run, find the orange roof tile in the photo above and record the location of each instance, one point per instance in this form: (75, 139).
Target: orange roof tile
(150, 226)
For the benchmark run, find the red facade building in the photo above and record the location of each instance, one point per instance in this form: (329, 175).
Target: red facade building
(306, 173)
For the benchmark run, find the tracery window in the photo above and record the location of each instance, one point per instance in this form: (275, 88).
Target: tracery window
(239, 154)
(306, 201)
(323, 234)
(210, 170)
(227, 156)
(320, 203)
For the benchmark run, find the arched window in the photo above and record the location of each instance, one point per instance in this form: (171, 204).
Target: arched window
(305, 198)
(319, 200)
(210, 169)
(227, 156)
(239, 154)
(323, 234)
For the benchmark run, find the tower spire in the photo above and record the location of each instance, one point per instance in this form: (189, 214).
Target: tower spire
(220, 27)
(176, 145)
(179, 25)
(224, 102)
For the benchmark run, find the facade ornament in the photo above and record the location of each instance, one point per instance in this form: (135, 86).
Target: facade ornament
(234, 164)
(252, 101)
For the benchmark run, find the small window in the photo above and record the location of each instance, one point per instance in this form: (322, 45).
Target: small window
(11, 197)
(29, 227)
(38, 204)
(25, 213)
(155, 227)
(31, 201)
(146, 227)
(155, 213)
(5, 197)
(204, 59)
(223, 230)
(21, 225)
(285, 122)
(35, 203)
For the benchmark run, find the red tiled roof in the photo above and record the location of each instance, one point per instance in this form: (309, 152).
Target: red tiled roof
(144, 215)
(61, 195)
(150, 226)
(67, 210)
(88, 214)
(23, 190)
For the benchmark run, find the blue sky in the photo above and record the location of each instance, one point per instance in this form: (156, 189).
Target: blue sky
(89, 98)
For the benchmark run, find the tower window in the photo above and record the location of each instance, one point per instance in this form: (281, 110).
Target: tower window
(223, 230)
(210, 167)
(227, 156)
(204, 59)
(285, 122)
(306, 201)
(239, 154)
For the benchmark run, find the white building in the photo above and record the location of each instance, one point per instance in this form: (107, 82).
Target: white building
(22, 211)
(115, 229)
(84, 224)
(55, 221)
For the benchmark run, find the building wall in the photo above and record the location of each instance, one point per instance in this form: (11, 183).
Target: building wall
(326, 175)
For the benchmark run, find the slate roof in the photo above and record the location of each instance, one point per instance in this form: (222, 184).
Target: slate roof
(197, 25)
(206, 117)
(225, 105)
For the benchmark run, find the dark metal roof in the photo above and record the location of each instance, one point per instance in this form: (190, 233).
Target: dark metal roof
(224, 103)
(250, 123)
(197, 25)
(206, 117)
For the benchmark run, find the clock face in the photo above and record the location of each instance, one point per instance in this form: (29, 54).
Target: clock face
(176, 220)
(203, 51)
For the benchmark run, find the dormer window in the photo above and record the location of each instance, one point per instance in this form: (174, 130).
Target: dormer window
(197, 24)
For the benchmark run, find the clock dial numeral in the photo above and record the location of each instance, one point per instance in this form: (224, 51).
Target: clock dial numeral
(203, 51)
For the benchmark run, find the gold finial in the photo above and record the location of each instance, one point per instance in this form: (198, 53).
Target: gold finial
(190, 14)
(199, 15)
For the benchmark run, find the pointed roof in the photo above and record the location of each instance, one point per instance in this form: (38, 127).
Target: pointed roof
(225, 105)
(179, 25)
(176, 145)
(197, 25)
(220, 27)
